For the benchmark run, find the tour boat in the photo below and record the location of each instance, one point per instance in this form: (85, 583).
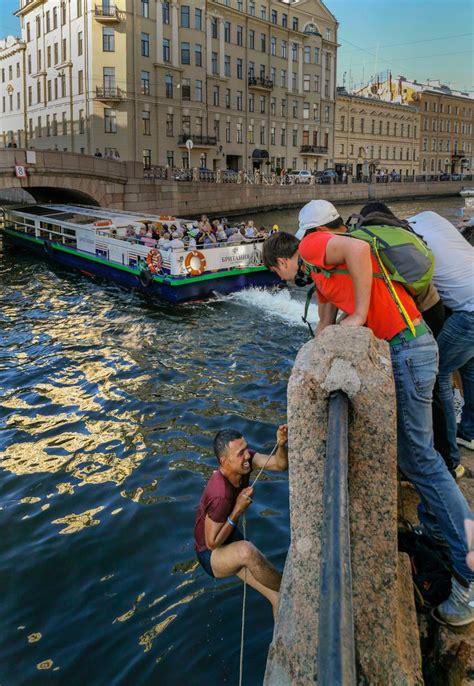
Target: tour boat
(94, 240)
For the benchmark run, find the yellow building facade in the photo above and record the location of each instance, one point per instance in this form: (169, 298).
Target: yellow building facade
(250, 83)
(446, 121)
(375, 137)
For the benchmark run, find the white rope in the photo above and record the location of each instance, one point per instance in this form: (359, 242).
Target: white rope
(244, 597)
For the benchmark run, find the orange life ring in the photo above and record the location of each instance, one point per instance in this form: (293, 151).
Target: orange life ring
(153, 260)
(195, 263)
(103, 222)
(166, 218)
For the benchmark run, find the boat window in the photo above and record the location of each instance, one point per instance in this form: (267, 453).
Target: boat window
(102, 251)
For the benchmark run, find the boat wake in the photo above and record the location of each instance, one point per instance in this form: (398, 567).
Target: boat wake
(280, 304)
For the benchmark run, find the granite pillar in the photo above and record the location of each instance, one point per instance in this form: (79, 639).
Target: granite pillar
(386, 633)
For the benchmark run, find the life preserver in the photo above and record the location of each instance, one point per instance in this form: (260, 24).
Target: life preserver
(145, 278)
(195, 263)
(153, 260)
(103, 222)
(166, 218)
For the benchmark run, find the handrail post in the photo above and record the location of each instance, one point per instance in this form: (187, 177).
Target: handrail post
(336, 665)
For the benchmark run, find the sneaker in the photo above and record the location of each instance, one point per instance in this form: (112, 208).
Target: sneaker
(459, 472)
(466, 442)
(458, 609)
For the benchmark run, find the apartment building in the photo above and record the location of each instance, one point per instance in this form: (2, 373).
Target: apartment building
(446, 121)
(250, 82)
(375, 136)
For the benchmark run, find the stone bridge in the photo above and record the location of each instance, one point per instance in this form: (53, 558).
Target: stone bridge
(54, 176)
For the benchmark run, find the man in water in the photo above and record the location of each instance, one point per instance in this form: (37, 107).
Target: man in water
(347, 282)
(220, 546)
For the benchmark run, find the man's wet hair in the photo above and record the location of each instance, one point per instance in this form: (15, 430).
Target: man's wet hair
(280, 244)
(222, 440)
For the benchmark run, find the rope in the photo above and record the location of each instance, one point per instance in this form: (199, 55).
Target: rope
(244, 597)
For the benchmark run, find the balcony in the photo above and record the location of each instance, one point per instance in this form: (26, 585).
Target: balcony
(107, 14)
(457, 153)
(313, 150)
(198, 141)
(260, 83)
(107, 94)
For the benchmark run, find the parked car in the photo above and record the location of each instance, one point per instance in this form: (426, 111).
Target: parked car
(326, 176)
(302, 176)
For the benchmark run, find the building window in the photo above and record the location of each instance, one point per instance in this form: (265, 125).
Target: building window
(64, 124)
(30, 96)
(227, 98)
(79, 8)
(295, 138)
(108, 39)
(283, 48)
(49, 91)
(239, 68)
(146, 156)
(263, 43)
(169, 85)
(79, 45)
(294, 52)
(145, 43)
(227, 133)
(240, 35)
(185, 16)
(326, 113)
(38, 92)
(110, 120)
(146, 123)
(239, 133)
(166, 50)
(185, 89)
(283, 78)
(64, 50)
(306, 110)
(262, 104)
(240, 100)
(39, 129)
(28, 32)
(80, 82)
(251, 102)
(227, 65)
(198, 55)
(295, 24)
(38, 27)
(81, 123)
(169, 124)
(214, 63)
(63, 14)
(251, 8)
(251, 39)
(170, 158)
(213, 27)
(274, 17)
(283, 137)
(284, 20)
(198, 90)
(166, 13)
(145, 82)
(215, 96)
(145, 8)
(48, 57)
(185, 53)
(198, 19)
(227, 31)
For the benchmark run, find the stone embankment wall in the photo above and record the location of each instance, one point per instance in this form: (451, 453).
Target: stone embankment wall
(57, 176)
(386, 631)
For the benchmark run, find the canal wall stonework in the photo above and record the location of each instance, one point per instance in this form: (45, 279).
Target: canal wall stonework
(386, 631)
(56, 176)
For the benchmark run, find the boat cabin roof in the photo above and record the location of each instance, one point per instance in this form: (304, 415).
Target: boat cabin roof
(88, 216)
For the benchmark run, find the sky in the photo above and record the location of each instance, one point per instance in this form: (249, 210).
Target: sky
(419, 39)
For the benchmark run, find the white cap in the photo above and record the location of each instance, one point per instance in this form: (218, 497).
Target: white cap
(315, 213)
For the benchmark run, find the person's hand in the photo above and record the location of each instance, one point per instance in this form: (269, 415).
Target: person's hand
(282, 434)
(469, 529)
(244, 499)
(352, 320)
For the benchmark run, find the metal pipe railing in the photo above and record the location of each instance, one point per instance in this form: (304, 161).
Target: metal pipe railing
(336, 665)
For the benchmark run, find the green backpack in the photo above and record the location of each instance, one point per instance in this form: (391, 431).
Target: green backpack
(401, 254)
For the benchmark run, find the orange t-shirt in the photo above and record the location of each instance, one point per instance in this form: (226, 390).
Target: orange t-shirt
(383, 316)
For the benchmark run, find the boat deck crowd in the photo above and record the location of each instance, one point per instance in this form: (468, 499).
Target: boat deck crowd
(192, 235)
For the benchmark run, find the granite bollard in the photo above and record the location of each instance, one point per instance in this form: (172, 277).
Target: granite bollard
(386, 633)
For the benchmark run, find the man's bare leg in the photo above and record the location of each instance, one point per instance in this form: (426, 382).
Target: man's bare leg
(261, 574)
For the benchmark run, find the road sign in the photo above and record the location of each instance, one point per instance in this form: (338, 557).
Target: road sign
(189, 144)
(20, 171)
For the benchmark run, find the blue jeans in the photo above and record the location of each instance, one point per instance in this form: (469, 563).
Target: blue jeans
(443, 507)
(456, 351)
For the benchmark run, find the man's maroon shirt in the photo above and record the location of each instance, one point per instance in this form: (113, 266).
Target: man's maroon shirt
(217, 502)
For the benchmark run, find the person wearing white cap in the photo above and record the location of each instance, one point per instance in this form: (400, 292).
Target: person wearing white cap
(343, 270)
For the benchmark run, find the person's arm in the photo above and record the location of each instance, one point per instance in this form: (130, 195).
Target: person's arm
(217, 533)
(327, 313)
(356, 254)
(279, 461)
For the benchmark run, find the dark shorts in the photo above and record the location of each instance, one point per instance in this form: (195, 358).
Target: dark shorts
(204, 556)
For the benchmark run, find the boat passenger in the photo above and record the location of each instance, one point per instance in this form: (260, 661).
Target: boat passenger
(219, 543)
(235, 237)
(221, 234)
(164, 241)
(131, 236)
(147, 239)
(250, 231)
(176, 242)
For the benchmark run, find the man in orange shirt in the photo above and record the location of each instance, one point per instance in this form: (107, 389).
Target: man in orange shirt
(366, 300)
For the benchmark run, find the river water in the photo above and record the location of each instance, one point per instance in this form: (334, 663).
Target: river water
(108, 408)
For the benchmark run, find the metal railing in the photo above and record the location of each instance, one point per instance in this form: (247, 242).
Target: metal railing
(260, 82)
(314, 149)
(336, 664)
(108, 93)
(109, 11)
(197, 139)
